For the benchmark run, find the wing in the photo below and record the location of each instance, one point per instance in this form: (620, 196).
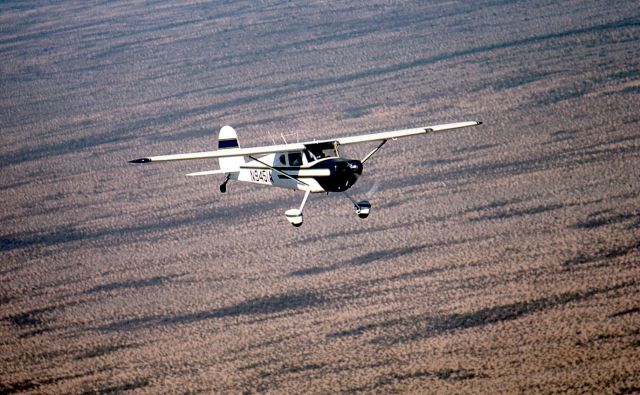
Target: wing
(404, 133)
(270, 149)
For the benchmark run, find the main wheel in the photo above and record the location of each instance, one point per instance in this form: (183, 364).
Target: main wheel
(363, 208)
(294, 216)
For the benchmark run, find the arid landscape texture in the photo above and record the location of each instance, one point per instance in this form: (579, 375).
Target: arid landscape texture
(500, 258)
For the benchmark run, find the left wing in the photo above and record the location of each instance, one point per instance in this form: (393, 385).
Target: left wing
(270, 149)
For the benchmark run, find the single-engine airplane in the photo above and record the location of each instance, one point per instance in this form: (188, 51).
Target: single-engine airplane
(313, 167)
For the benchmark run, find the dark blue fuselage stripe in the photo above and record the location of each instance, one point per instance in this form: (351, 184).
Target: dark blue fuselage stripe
(231, 143)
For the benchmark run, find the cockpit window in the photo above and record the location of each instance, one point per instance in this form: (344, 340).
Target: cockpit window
(320, 150)
(325, 153)
(282, 159)
(295, 159)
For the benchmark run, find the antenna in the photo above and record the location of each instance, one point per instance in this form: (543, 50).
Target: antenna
(271, 137)
(284, 138)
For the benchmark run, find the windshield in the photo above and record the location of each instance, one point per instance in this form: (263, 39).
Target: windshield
(319, 151)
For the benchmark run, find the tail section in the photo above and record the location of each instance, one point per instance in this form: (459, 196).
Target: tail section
(228, 139)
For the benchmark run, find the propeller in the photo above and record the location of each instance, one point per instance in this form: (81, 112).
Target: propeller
(374, 188)
(369, 155)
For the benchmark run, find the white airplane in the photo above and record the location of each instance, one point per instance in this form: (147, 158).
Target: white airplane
(313, 167)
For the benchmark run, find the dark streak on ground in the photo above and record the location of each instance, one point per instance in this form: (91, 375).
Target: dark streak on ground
(104, 350)
(518, 213)
(605, 220)
(447, 374)
(632, 310)
(602, 254)
(257, 306)
(120, 235)
(388, 254)
(146, 282)
(424, 326)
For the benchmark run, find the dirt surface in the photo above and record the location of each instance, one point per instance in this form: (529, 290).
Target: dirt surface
(500, 258)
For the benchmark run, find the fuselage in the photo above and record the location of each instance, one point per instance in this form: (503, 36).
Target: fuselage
(296, 171)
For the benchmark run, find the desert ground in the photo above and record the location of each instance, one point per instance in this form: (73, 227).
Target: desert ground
(503, 258)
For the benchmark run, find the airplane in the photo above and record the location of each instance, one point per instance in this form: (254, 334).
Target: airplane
(312, 167)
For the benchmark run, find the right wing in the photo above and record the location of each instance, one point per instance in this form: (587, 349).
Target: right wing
(404, 133)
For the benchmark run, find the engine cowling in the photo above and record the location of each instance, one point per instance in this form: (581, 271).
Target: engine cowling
(344, 174)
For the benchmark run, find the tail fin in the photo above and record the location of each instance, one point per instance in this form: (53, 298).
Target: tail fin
(228, 139)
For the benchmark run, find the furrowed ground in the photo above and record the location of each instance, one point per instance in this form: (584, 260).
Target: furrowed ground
(500, 258)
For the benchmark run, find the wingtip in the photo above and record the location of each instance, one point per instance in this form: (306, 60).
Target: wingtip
(478, 122)
(141, 160)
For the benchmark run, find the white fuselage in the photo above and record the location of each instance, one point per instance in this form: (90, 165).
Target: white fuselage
(294, 171)
(257, 173)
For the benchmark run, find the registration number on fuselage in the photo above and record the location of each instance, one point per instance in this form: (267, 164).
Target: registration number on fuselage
(263, 176)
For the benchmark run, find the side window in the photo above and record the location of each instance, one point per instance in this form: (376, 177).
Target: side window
(295, 159)
(282, 158)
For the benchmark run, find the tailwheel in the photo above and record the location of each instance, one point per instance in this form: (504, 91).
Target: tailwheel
(362, 208)
(223, 186)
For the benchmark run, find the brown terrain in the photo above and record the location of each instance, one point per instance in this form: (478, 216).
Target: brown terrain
(499, 258)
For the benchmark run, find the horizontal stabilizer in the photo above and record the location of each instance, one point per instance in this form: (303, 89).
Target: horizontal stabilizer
(205, 173)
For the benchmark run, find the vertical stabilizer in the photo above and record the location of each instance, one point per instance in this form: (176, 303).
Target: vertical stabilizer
(228, 139)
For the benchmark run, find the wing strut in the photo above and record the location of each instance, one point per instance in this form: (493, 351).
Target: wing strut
(279, 171)
(370, 154)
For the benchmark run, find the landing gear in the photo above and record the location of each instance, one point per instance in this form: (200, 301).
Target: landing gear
(223, 186)
(294, 215)
(363, 207)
